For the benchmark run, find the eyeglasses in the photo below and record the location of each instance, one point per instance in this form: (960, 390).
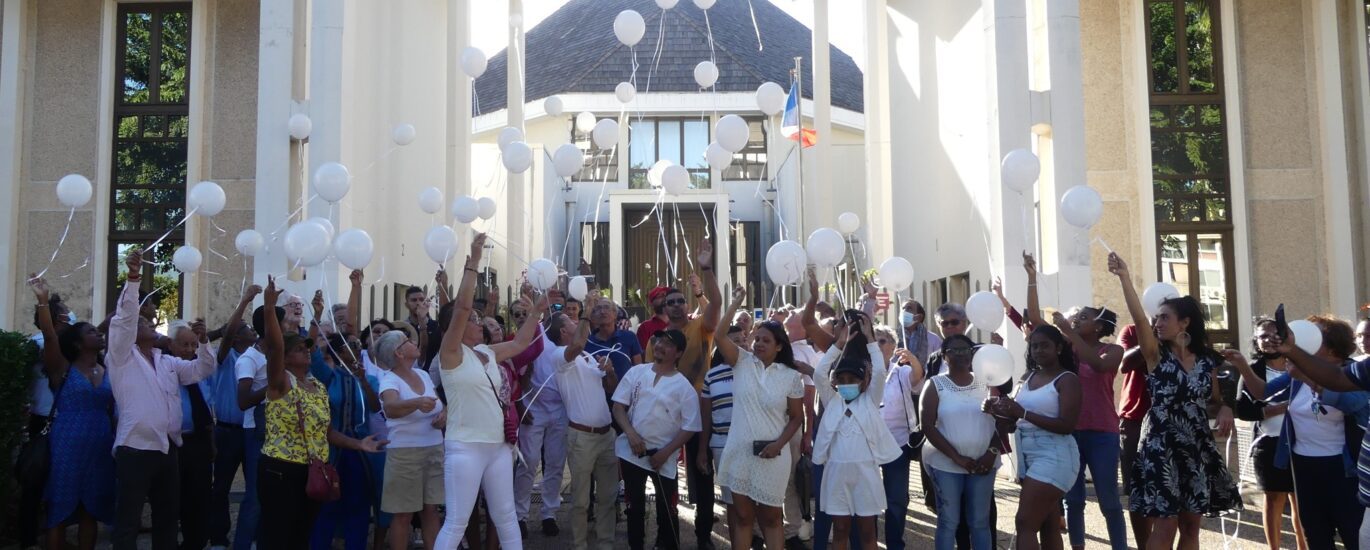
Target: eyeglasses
(676, 302)
(949, 322)
(882, 341)
(960, 351)
(520, 314)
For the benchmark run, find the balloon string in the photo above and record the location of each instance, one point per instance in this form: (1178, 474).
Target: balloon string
(757, 28)
(83, 265)
(288, 217)
(173, 228)
(242, 287)
(1101, 242)
(708, 221)
(680, 229)
(660, 46)
(70, 215)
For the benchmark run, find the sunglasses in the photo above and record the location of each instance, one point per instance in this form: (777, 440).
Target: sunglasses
(676, 302)
(960, 351)
(950, 322)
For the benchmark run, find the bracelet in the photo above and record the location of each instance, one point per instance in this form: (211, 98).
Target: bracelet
(472, 270)
(40, 305)
(699, 295)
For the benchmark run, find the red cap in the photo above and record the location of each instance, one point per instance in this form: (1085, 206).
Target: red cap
(657, 293)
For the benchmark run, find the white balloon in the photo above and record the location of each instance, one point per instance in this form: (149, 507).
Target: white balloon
(553, 106)
(403, 134)
(300, 126)
(325, 223)
(896, 274)
(786, 262)
(1019, 170)
(568, 160)
(207, 199)
(704, 4)
(666, 4)
(826, 247)
(518, 157)
(332, 181)
(717, 157)
(848, 223)
(487, 208)
(465, 209)
(577, 287)
(585, 122)
(706, 74)
(985, 311)
(74, 190)
(993, 364)
(440, 244)
(732, 132)
(605, 133)
(675, 179)
(1081, 206)
(629, 26)
(430, 200)
(508, 135)
(354, 248)
(542, 274)
(625, 92)
(1307, 335)
(473, 62)
(307, 244)
(1155, 294)
(187, 259)
(249, 242)
(770, 98)
(654, 173)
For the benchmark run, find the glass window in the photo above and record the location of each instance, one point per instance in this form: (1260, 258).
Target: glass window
(601, 165)
(152, 120)
(681, 141)
(749, 164)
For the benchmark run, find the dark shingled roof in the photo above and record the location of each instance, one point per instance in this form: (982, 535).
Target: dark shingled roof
(574, 50)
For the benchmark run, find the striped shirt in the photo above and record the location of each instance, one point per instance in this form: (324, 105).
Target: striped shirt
(718, 389)
(1359, 372)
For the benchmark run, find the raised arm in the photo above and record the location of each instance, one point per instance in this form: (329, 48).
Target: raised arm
(1316, 369)
(870, 299)
(525, 336)
(711, 293)
(123, 327)
(230, 330)
(1034, 308)
(450, 350)
(1108, 361)
(354, 301)
(273, 344)
(1146, 337)
(577, 345)
(723, 344)
(440, 281)
(55, 364)
(1252, 383)
(820, 338)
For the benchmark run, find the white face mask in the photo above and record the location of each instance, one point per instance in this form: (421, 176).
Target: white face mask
(906, 318)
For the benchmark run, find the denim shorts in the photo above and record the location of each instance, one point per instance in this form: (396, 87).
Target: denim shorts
(1047, 457)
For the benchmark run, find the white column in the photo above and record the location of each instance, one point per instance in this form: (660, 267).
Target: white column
(516, 200)
(879, 220)
(458, 104)
(818, 208)
(1006, 52)
(194, 294)
(325, 110)
(14, 67)
(275, 70)
(1341, 265)
(1067, 92)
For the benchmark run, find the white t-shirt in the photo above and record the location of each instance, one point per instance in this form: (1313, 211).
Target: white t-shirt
(543, 383)
(251, 364)
(658, 410)
(803, 351)
(897, 410)
(416, 428)
(1317, 434)
(581, 385)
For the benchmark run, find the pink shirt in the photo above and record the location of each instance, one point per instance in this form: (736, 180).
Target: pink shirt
(1097, 411)
(147, 393)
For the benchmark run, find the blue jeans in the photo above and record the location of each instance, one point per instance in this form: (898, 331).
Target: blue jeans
(896, 475)
(350, 514)
(975, 492)
(230, 453)
(1099, 452)
(249, 513)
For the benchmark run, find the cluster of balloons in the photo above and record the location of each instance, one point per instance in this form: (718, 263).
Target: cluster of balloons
(517, 155)
(673, 179)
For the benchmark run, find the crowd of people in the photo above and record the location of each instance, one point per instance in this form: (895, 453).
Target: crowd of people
(806, 421)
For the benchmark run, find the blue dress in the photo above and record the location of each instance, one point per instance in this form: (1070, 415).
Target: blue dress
(82, 443)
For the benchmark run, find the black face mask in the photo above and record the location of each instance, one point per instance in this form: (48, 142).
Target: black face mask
(1271, 356)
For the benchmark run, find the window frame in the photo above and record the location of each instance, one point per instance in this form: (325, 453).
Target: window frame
(596, 159)
(706, 172)
(756, 149)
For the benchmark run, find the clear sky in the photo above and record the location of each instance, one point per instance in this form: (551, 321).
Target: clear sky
(846, 31)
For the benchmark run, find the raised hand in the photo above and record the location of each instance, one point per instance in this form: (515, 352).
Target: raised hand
(477, 246)
(696, 286)
(317, 304)
(585, 268)
(998, 287)
(1029, 264)
(812, 275)
(441, 278)
(868, 285)
(271, 294)
(40, 288)
(706, 255)
(1059, 319)
(134, 261)
(356, 277)
(739, 296)
(251, 293)
(198, 327)
(1116, 265)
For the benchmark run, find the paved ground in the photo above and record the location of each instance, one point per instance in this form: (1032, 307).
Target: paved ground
(920, 527)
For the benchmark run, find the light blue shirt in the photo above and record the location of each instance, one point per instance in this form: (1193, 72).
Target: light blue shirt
(222, 392)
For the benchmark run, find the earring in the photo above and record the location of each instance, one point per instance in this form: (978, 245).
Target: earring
(1183, 339)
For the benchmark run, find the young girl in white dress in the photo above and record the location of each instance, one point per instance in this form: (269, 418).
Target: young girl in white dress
(852, 440)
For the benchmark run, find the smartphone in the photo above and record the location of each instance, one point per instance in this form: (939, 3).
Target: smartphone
(557, 307)
(1281, 327)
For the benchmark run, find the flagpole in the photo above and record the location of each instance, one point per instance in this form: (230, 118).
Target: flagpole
(797, 75)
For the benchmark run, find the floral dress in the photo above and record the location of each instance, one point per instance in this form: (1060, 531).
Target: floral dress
(1178, 466)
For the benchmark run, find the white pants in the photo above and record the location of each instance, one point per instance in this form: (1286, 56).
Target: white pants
(1365, 530)
(468, 469)
(545, 438)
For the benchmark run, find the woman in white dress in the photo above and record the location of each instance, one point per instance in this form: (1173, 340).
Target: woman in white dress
(479, 454)
(767, 411)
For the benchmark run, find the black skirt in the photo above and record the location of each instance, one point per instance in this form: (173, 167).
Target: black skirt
(1269, 477)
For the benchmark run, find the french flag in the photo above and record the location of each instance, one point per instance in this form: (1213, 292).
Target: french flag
(789, 124)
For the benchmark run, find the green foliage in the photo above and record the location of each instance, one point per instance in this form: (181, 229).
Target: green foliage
(17, 356)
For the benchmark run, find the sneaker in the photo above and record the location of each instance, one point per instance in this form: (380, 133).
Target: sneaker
(793, 543)
(549, 527)
(806, 531)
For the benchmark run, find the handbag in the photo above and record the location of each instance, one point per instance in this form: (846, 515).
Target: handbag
(35, 458)
(323, 485)
(511, 419)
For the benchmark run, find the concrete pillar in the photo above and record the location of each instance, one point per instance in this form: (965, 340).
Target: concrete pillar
(1336, 193)
(14, 68)
(458, 104)
(879, 223)
(818, 180)
(276, 56)
(1006, 52)
(517, 195)
(1067, 152)
(325, 110)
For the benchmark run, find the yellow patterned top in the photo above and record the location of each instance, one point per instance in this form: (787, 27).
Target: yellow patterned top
(283, 441)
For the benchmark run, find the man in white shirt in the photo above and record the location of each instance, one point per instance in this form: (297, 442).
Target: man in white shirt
(542, 440)
(585, 384)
